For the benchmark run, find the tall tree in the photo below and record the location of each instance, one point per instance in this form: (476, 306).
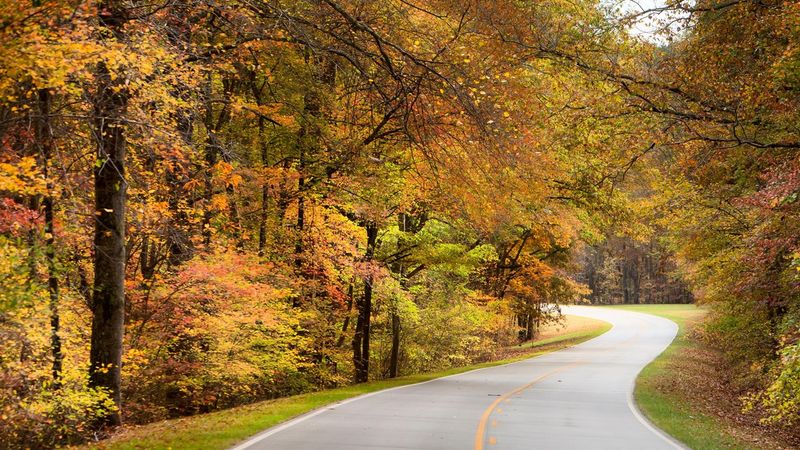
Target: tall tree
(108, 294)
(361, 338)
(44, 136)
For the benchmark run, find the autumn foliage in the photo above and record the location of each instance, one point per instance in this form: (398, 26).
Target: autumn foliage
(281, 197)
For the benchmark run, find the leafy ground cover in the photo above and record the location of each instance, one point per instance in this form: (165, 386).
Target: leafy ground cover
(686, 393)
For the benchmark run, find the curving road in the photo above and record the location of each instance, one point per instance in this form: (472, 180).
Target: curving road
(575, 398)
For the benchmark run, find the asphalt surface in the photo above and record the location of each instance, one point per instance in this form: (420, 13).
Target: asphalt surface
(575, 398)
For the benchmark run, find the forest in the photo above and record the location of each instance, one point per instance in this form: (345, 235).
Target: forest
(206, 203)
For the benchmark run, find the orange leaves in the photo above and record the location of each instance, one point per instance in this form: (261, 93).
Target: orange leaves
(192, 184)
(224, 171)
(219, 202)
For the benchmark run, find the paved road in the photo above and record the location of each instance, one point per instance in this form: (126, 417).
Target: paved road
(575, 398)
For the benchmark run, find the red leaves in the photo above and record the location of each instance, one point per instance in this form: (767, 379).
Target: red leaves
(16, 219)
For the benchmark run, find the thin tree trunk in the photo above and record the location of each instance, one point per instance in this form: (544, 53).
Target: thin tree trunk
(362, 335)
(523, 321)
(394, 356)
(179, 246)
(108, 294)
(236, 218)
(210, 157)
(262, 224)
(529, 330)
(406, 224)
(346, 323)
(44, 135)
(366, 316)
(301, 209)
(358, 336)
(309, 144)
(52, 287)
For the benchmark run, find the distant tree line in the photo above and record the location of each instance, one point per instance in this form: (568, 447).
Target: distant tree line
(623, 270)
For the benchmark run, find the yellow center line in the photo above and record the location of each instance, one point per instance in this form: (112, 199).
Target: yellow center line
(481, 432)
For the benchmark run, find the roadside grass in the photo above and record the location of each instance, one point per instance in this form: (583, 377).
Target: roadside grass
(574, 327)
(222, 429)
(668, 410)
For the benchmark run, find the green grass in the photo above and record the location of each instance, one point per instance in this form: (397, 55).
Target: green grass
(671, 412)
(223, 429)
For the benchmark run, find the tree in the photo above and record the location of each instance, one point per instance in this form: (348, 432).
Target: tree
(108, 294)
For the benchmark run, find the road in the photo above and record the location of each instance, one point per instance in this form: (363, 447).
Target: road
(574, 398)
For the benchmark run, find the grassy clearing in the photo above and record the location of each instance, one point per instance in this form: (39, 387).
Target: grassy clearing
(223, 429)
(669, 410)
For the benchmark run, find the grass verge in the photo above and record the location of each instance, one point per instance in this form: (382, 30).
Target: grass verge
(666, 408)
(222, 429)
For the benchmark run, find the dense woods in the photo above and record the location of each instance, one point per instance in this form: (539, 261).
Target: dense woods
(624, 270)
(205, 204)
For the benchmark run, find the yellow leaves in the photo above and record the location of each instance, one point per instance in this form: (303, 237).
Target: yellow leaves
(219, 202)
(234, 180)
(134, 360)
(223, 169)
(21, 178)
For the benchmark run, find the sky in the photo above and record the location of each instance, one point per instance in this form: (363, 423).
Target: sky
(648, 26)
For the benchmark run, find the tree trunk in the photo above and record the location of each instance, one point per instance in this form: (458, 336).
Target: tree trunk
(210, 158)
(108, 294)
(346, 322)
(148, 259)
(308, 147)
(179, 245)
(406, 224)
(235, 217)
(44, 136)
(301, 209)
(365, 316)
(361, 337)
(358, 335)
(526, 325)
(530, 327)
(394, 356)
(262, 223)
(52, 287)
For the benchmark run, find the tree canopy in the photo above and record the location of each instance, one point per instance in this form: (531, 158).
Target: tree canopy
(204, 204)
